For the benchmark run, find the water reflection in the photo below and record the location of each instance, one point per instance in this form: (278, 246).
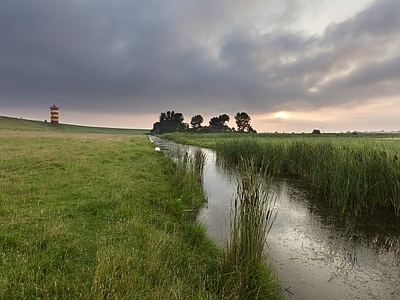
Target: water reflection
(317, 252)
(323, 254)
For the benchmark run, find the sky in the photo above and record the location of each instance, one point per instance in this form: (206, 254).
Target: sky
(292, 65)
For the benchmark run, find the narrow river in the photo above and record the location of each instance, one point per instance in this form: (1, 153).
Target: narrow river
(317, 252)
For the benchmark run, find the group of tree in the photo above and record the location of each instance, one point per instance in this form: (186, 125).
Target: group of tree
(171, 121)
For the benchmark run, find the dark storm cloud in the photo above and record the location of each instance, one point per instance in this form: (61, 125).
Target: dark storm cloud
(151, 55)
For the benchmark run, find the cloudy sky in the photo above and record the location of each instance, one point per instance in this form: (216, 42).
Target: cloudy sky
(292, 65)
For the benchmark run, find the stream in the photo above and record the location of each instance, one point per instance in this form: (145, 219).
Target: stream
(316, 251)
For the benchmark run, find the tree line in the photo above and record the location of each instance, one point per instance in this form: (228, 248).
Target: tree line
(171, 121)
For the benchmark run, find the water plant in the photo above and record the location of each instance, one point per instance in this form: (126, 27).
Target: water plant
(244, 273)
(188, 178)
(356, 174)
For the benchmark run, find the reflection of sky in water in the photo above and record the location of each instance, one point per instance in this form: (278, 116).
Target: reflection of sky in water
(219, 190)
(319, 261)
(317, 252)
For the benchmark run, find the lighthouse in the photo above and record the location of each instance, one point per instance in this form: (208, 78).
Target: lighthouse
(54, 114)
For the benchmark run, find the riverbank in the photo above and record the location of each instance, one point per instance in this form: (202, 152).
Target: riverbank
(97, 216)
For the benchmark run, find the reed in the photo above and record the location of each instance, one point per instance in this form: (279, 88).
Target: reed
(188, 179)
(244, 273)
(357, 174)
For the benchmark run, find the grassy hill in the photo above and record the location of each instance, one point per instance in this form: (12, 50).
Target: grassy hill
(14, 124)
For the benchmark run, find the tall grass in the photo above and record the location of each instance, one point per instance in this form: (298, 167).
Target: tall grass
(188, 178)
(360, 175)
(244, 273)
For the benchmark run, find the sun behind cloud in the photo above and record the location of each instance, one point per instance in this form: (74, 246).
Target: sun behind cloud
(281, 115)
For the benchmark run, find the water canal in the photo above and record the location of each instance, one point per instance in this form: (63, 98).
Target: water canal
(317, 252)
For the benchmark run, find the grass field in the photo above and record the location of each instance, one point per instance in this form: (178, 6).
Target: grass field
(13, 124)
(100, 216)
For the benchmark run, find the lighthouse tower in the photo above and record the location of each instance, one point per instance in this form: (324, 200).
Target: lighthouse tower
(54, 114)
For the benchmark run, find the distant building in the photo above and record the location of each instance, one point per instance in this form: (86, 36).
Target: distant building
(54, 114)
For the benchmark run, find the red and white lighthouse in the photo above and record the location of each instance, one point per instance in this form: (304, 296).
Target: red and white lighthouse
(54, 114)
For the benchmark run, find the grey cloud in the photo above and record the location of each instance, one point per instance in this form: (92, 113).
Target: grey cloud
(149, 55)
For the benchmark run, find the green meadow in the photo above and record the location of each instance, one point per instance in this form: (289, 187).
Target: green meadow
(89, 213)
(14, 124)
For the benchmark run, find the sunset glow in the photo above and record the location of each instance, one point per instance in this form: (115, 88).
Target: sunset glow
(281, 115)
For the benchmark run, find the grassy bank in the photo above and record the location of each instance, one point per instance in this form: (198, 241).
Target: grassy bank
(14, 124)
(88, 216)
(360, 173)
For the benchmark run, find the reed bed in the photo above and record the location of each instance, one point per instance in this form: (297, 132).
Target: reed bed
(244, 273)
(188, 178)
(357, 174)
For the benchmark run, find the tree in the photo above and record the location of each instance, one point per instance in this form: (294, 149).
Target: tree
(243, 122)
(196, 122)
(169, 122)
(177, 118)
(224, 118)
(162, 117)
(218, 123)
(316, 131)
(178, 122)
(214, 122)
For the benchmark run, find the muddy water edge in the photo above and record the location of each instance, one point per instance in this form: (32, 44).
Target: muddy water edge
(317, 252)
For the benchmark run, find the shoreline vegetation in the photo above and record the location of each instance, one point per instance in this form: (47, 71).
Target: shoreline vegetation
(242, 269)
(94, 215)
(359, 173)
(252, 214)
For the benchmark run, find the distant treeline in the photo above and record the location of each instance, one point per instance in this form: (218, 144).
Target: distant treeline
(171, 121)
